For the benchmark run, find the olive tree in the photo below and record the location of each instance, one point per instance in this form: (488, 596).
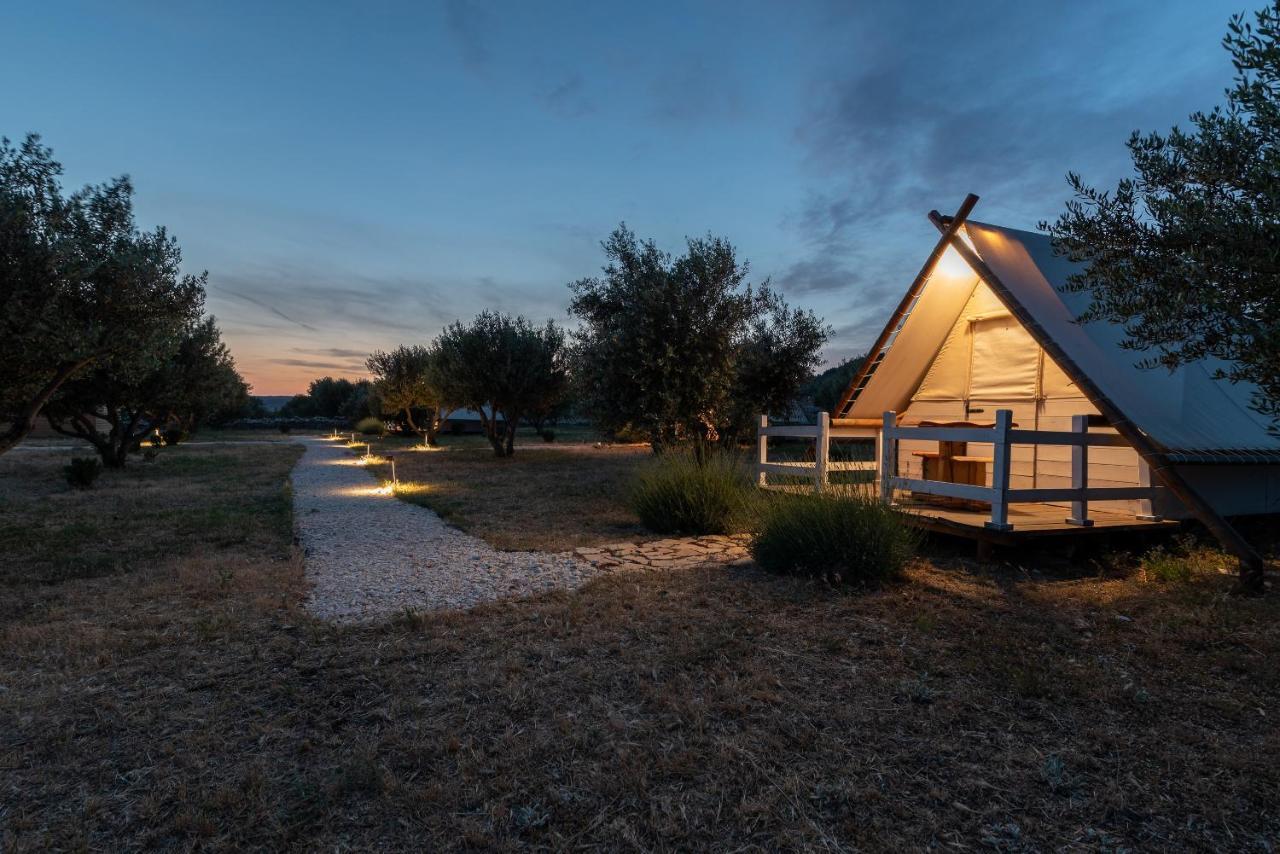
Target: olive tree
(501, 367)
(115, 410)
(80, 286)
(403, 383)
(682, 348)
(1184, 253)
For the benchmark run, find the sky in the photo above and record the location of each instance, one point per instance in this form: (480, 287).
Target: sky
(356, 176)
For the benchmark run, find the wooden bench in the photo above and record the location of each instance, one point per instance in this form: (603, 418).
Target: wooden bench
(952, 463)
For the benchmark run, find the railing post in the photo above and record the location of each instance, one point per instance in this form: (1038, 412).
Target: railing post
(762, 450)
(1000, 472)
(821, 447)
(1080, 472)
(1146, 508)
(888, 456)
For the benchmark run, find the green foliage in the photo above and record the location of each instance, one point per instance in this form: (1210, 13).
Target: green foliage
(81, 286)
(371, 426)
(842, 536)
(114, 408)
(405, 387)
(681, 492)
(547, 434)
(1183, 253)
(199, 383)
(298, 406)
(828, 387)
(173, 435)
(501, 367)
(83, 471)
(681, 347)
(328, 395)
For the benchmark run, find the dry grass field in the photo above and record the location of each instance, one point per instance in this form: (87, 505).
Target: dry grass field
(160, 687)
(544, 498)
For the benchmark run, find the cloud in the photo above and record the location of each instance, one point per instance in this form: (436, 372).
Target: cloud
(818, 274)
(277, 312)
(569, 98)
(324, 366)
(924, 111)
(466, 21)
(692, 90)
(336, 352)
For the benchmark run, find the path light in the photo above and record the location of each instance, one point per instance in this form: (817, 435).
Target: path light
(391, 458)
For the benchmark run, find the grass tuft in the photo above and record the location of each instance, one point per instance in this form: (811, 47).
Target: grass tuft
(842, 535)
(677, 493)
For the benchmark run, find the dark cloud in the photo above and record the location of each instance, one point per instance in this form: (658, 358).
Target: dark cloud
(819, 274)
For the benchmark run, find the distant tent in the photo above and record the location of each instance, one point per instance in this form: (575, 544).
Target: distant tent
(986, 326)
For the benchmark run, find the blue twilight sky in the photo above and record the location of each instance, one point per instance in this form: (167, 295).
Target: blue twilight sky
(354, 176)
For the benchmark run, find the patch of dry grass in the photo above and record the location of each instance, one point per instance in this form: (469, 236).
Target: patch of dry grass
(191, 499)
(191, 704)
(548, 498)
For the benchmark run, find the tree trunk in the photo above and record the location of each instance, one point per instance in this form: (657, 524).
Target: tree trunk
(1252, 582)
(26, 420)
(433, 428)
(490, 425)
(511, 436)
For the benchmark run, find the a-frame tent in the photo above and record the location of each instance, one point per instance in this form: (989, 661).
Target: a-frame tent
(986, 325)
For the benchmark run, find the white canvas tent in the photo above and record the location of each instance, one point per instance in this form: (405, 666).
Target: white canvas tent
(987, 326)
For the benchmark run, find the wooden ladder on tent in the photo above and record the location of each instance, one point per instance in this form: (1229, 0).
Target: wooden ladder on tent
(880, 353)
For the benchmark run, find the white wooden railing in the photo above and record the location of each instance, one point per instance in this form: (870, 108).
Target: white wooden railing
(820, 468)
(1002, 437)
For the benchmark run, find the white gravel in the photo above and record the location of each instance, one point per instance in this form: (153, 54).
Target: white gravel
(370, 555)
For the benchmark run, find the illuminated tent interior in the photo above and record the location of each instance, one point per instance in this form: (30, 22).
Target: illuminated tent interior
(968, 344)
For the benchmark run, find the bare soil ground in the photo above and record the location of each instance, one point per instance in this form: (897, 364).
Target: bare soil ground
(184, 701)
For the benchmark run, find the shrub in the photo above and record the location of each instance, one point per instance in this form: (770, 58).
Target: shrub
(282, 427)
(677, 493)
(83, 471)
(174, 435)
(548, 435)
(842, 535)
(370, 426)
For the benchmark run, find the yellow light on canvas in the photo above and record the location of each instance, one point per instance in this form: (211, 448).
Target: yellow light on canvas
(952, 265)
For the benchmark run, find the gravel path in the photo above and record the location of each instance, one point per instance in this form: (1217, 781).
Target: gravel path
(370, 555)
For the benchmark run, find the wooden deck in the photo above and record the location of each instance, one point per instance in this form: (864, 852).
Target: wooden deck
(1029, 521)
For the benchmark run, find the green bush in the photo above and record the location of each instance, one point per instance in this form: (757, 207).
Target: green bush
(842, 535)
(370, 426)
(677, 493)
(174, 435)
(83, 471)
(548, 435)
